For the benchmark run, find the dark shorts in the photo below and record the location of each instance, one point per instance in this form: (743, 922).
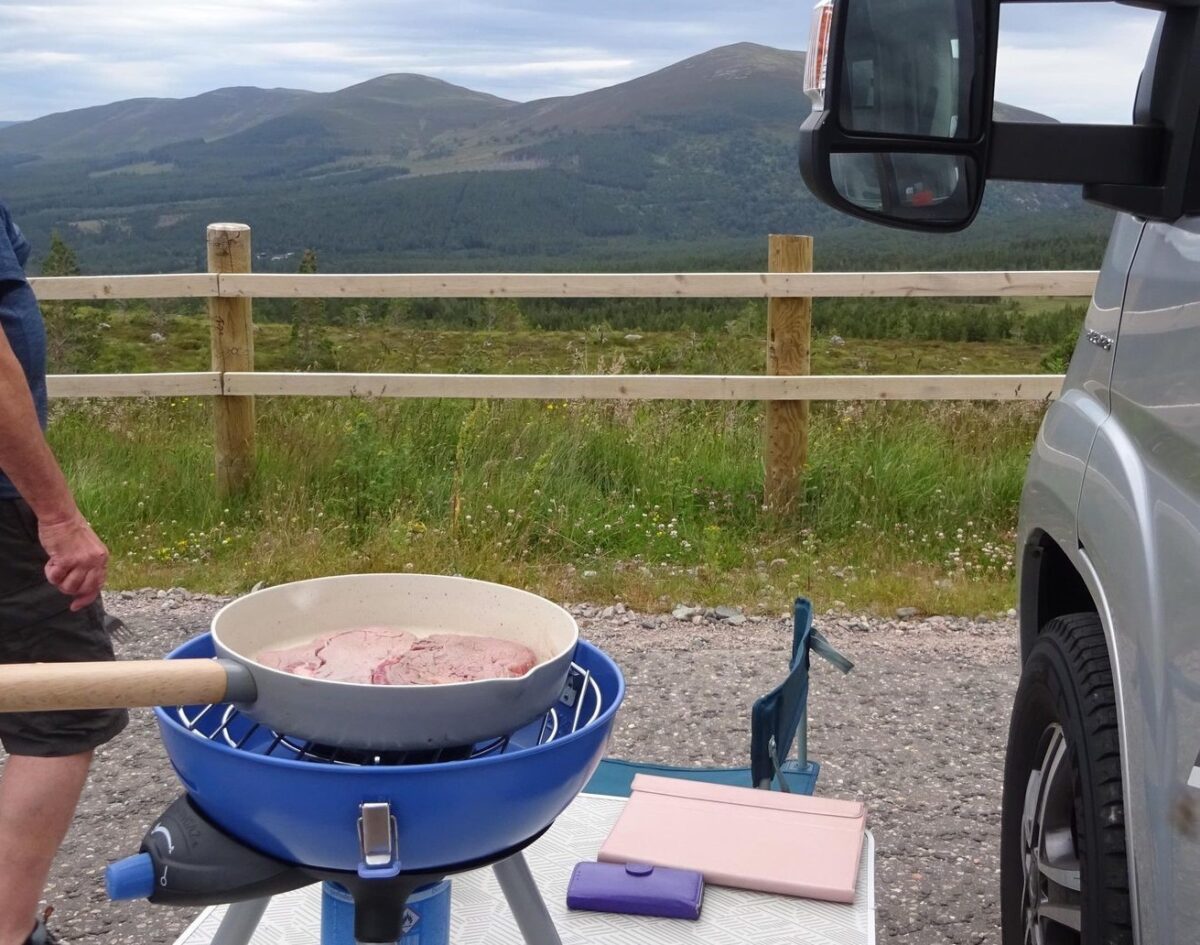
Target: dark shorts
(37, 625)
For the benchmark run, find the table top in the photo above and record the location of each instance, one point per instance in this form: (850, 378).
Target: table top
(479, 913)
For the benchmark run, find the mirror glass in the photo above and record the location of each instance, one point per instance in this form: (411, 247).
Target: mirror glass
(928, 188)
(909, 67)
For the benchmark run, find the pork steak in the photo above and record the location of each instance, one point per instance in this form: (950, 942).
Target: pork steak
(452, 658)
(389, 656)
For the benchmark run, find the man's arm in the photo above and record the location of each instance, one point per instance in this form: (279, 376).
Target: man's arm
(78, 559)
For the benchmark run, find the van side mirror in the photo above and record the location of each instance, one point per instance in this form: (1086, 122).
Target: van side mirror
(901, 131)
(901, 92)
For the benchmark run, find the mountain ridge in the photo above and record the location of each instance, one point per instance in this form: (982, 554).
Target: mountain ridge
(404, 172)
(762, 82)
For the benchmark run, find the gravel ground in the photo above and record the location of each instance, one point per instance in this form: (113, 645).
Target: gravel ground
(916, 730)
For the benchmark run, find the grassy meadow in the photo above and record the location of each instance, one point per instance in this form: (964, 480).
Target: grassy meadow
(906, 504)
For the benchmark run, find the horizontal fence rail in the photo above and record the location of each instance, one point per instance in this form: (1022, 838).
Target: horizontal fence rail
(561, 387)
(98, 288)
(647, 386)
(191, 384)
(701, 285)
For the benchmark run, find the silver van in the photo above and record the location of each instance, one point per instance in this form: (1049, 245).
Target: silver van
(1101, 808)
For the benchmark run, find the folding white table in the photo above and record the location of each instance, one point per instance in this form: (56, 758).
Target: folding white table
(480, 914)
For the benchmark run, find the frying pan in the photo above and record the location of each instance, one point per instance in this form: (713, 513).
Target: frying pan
(348, 715)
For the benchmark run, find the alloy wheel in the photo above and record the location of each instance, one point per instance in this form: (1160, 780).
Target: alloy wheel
(1049, 841)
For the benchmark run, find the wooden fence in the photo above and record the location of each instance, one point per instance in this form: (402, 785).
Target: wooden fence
(787, 386)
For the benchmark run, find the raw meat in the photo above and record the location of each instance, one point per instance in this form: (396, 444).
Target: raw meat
(351, 656)
(395, 657)
(451, 658)
(346, 656)
(301, 660)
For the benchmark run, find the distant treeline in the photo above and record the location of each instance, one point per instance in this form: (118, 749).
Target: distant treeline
(911, 319)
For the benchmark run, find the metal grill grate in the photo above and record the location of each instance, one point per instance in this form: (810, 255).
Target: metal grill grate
(579, 705)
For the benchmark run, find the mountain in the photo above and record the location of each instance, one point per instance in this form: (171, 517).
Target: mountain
(1003, 112)
(145, 123)
(385, 116)
(381, 114)
(694, 163)
(5, 124)
(751, 81)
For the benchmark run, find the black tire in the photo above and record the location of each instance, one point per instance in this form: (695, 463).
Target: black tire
(1064, 807)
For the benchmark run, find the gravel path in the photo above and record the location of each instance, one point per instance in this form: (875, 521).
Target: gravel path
(917, 730)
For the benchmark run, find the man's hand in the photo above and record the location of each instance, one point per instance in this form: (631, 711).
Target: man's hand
(78, 562)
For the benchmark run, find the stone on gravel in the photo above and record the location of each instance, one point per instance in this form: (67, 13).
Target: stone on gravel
(683, 612)
(906, 613)
(727, 613)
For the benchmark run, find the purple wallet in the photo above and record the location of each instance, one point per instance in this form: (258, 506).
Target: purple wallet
(636, 889)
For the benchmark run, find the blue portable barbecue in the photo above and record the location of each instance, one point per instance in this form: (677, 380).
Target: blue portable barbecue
(265, 813)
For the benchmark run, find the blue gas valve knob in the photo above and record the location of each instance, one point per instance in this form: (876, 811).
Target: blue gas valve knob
(130, 878)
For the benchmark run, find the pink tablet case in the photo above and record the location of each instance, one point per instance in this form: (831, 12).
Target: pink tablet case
(788, 844)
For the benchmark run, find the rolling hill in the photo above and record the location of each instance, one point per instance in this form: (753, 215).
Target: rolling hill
(691, 165)
(145, 123)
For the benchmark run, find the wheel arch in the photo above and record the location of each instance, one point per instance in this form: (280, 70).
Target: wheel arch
(1051, 586)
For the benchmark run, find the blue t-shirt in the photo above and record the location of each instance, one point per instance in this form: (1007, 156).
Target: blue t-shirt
(21, 320)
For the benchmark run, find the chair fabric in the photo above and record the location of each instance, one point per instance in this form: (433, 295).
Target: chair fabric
(777, 721)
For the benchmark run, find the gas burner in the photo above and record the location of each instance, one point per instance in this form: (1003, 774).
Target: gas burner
(580, 704)
(309, 751)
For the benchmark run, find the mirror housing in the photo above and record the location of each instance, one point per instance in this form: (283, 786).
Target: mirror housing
(901, 114)
(902, 133)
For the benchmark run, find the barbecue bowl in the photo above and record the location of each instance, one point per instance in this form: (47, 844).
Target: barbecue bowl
(306, 811)
(390, 717)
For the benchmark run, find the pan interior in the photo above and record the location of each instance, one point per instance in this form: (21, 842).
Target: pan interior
(296, 613)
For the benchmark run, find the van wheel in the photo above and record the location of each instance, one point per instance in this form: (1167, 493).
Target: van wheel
(1064, 877)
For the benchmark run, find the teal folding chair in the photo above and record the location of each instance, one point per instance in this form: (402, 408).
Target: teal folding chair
(777, 720)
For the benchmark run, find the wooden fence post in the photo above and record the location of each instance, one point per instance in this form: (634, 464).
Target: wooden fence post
(789, 341)
(232, 350)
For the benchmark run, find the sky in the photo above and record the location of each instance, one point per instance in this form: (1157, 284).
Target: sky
(1076, 62)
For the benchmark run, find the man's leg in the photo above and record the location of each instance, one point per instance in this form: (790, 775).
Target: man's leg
(48, 752)
(38, 797)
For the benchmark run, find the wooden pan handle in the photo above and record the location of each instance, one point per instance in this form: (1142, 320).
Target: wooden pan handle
(126, 684)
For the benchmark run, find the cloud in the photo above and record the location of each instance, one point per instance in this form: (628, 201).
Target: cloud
(1070, 61)
(1076, 62)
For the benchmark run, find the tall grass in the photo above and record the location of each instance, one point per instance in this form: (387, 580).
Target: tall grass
(650, 503)
(903, 504)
